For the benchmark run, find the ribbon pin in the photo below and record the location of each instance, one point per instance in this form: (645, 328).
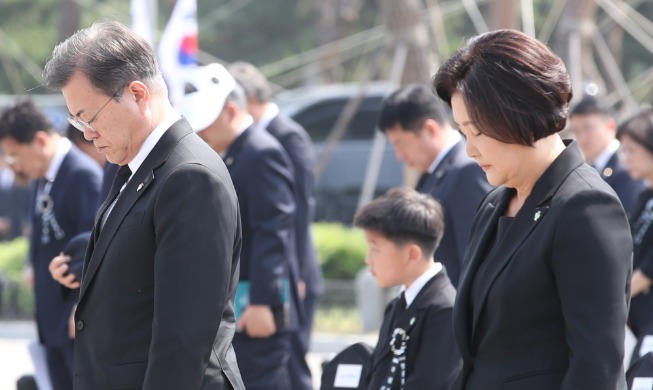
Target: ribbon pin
(537, 215)
(139, 187)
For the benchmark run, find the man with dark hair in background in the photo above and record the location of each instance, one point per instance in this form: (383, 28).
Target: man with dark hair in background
(297, 144)
(596, 132)
(63, 204)
(419, 128)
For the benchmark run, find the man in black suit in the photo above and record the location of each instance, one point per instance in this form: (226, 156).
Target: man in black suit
(62, 205)
(297, 144)
(418, 127)
(267, 307)
(155, 306)
(596, 131)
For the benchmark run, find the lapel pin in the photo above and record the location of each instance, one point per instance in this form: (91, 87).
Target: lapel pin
(139, 187)
(412, 320)
(229, 161)
(537, 215)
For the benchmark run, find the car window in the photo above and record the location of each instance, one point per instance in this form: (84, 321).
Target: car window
(318, 119)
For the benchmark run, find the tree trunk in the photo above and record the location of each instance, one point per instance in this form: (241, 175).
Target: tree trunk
(504, 14)
(404, 21)
(69, 19)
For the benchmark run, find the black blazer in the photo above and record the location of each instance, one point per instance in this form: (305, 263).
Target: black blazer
(74, 193)
(617, 176)
(156, 302)
(432, 358)
(640, 317)
(459, 184)
(263, 177)
(550, 311)
(297, 144)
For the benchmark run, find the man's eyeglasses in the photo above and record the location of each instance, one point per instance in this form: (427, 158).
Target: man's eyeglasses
(81, 124)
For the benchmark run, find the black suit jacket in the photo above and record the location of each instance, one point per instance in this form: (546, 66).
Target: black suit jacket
(459, 184)
(156, 302)
(432, 358)
(263, 177)
(297, 144)
(550, 311)
(74, 194)
(627, 189)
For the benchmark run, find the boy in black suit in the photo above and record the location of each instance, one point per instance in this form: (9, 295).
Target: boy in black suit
(416, 348)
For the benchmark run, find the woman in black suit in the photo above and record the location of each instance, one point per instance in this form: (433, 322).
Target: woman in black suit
(543, 296)
(636, 136)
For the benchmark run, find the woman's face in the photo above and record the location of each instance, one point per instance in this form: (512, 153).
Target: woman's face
(501, 162)
(639, 160)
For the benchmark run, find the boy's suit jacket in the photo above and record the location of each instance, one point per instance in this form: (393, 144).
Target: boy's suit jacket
(74, 194)
(550, 311)
(459, 184)
(155, 308)
(432, 359)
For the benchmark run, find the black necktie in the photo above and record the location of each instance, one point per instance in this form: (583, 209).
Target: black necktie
(400, 309)
(119, 181)
(421, 182)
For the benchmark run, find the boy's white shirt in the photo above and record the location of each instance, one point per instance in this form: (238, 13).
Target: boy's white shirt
(411, 292)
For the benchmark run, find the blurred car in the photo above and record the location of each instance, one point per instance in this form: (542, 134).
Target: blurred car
(318, 108)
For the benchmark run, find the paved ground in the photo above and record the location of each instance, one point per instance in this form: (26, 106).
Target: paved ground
(15, 360)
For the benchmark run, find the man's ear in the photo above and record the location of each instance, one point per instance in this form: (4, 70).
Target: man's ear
(432, 127)
(140, 92)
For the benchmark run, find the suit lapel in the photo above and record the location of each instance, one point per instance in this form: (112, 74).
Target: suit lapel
(135, 188)
(433, 181)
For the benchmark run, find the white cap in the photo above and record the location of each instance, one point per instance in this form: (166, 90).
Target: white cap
(210, 86)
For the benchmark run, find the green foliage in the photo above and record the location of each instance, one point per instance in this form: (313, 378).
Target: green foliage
(17, 297)
(12, 257)
(341, 250)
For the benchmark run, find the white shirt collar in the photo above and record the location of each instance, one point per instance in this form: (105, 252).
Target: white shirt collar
(271, 112)
(453, 138)
(411, 292)
(62, 149)
(152, 139)
(602, 160)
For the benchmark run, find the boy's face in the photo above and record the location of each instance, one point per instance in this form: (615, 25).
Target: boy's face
(387, 261)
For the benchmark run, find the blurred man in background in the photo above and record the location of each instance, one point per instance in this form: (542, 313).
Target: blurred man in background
(418, 127)
(595, 130)
(267, 302)
(297, 144)
(63, 202)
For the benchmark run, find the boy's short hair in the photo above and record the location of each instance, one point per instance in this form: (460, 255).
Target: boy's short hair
(403, 216)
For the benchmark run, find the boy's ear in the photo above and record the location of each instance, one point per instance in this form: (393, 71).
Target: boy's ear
(414, 252)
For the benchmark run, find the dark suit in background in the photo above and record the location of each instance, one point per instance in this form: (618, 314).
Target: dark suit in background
(542, 301)
(297, 144)
(615, 174)
(432, 358)
(14, 204)
(263, 177)
(74, 193)
(459, 184)
(156, 303)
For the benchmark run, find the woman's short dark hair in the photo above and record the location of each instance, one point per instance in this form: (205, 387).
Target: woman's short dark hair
(515, 88)
(403, 216)
(109, 54)
(639, 128)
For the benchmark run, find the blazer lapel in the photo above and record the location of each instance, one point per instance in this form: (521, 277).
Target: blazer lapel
(476, 252)
(135, 188)
(434, 179)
